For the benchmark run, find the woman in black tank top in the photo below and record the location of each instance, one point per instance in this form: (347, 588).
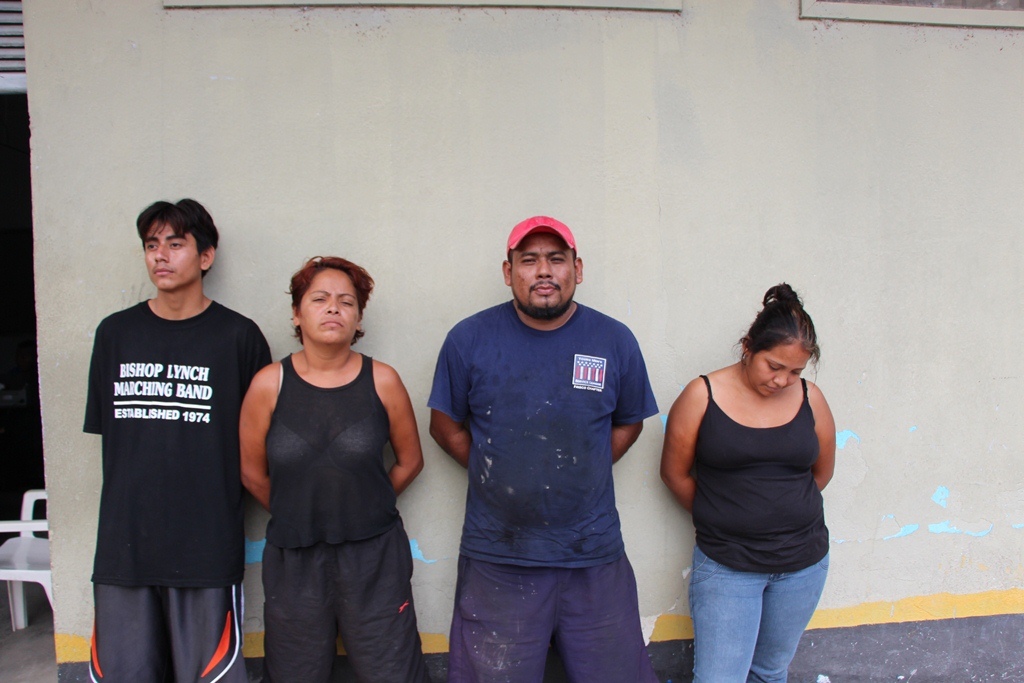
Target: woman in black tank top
(313, 429)
(748, 449)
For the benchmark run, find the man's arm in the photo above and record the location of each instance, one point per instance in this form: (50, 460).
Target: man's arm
(624, 436)
(454, 436)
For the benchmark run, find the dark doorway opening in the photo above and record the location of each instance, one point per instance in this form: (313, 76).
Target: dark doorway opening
(21, 443)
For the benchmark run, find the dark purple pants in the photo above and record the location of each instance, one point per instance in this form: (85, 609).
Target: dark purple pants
(505, 617)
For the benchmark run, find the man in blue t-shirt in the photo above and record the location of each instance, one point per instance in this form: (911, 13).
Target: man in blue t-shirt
(537, 398)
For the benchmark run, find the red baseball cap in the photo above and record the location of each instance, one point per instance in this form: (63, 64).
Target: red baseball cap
(540, 224)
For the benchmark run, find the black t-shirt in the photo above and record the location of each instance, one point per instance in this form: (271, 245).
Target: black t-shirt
(165, 395)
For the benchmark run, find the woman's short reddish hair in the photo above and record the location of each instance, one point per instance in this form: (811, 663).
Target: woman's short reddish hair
(304, 278)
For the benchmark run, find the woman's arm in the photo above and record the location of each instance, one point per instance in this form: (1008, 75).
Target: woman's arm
(825, 428)
(254, 422)
(681, 429)
(405, 438)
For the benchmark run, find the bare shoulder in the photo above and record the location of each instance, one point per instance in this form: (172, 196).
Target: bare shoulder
(267, 380)
(693, 400)
(819, 406)
(814, 394)
(261, 398)
(696, 389)
(384, 375)
(724, 378)
(389, 384)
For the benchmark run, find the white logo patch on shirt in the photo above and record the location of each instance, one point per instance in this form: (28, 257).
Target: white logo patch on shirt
(588, 372)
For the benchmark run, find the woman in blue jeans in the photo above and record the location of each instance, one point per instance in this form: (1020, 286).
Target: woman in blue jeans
(748, 449)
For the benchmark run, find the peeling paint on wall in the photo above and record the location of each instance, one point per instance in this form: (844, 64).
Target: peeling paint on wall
(947, 528)
(647, 625)
(977, 529)
(417, 554)
(905, 530)
(844, 436)
(254, 550)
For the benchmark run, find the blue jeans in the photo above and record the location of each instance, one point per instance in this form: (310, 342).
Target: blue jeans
(747, 625)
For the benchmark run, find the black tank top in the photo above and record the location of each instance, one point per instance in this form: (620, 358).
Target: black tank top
(757, 507)
(325, 453)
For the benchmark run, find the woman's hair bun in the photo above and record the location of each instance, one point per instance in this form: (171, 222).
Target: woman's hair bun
(781, 293)
(783, 320)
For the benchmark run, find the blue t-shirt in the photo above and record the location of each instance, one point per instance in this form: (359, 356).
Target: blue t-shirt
(541, 405)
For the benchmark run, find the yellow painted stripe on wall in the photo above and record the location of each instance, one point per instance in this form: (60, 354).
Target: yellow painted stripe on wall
(920, 608)
(434, 643)
(252, 644)
(72, 648)
(923, 608)
(672, 627)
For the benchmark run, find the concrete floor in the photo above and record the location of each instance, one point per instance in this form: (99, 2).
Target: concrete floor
(27, 656)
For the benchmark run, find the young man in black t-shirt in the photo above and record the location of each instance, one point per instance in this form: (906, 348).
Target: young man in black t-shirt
(165, 387)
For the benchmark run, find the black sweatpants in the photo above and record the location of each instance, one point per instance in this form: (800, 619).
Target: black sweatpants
(359, 590)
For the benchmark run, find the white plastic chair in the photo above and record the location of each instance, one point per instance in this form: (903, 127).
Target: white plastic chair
(25, 557)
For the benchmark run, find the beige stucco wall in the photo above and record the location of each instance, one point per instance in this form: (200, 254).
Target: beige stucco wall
(700, 157)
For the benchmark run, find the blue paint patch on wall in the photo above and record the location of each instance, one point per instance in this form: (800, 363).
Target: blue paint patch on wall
(1018, 526)
(844, 436)
(947, 528)
(664, 423)
(913, 428)
(905, 530)
(941, 496)
(254, 551)
(417, 554)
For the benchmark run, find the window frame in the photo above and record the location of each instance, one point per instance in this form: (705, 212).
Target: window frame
(845, 10)
(12, 49)
(646, 5)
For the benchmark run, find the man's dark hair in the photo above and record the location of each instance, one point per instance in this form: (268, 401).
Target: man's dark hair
(186, 217)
